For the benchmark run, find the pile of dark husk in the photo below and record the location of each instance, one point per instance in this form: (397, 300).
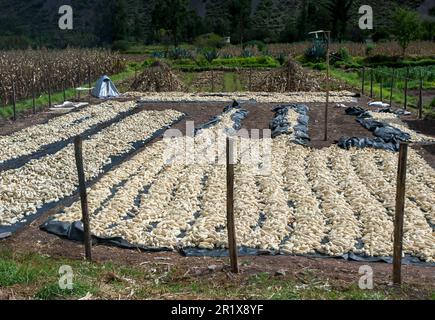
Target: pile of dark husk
(289, 78)
(157, 78)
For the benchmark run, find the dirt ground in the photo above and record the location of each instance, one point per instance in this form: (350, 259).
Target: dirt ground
(31, 238)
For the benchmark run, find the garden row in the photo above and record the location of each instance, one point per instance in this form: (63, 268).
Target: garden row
(39, 137)
(46, 180)
(329, 201)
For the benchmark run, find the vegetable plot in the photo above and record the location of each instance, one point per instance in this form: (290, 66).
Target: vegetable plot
(42, 181)
(328, 201)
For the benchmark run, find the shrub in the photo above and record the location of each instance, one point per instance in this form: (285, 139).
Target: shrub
(121, 45)
(370, 48)
(261, 46)
(407, 27)
(148, 62)
(342, 55)
(254, 62)
(209, 40)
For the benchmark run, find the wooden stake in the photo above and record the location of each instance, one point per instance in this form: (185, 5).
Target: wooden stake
(64, 89)
(392, 87)
(400, 207)
(382, 89)
(371, 83)
(89, 83)
(83, 197)
(14, 101)
(250, 79)
(232, 243)
(420, 98)
(288, 78)
(406, 88)
(33, 93)
(78, 91)
(363, 80)
(328, 34)
(49, 91)
(212, 80)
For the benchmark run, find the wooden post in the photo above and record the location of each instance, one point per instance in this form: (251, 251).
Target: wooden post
(33, 93)
(328, 34)
(363, 80)
(371, 83)
(79, 83)
(400, 207)
(406, 88)
(288, 78)
(64, 89)
(89, 83)
(250, 79)
(232, 243)
(83, 197)
(212, 80)
(381, 85)
(420, 98)
(14, 100)
(392, 87)
(49, 91)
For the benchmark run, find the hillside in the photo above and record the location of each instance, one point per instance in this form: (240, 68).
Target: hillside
(35, 21)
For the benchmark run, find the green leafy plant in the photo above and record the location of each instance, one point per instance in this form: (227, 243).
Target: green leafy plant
(406, 27)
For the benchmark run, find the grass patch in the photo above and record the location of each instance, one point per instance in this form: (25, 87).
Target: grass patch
(37, 276)
(12, 273)
(199, 64)
(232, 82)
(52, 291)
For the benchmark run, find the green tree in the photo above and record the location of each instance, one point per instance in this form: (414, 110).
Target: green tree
(339, 12)
(302, 20)
(120, 20)
(406, 27)
(263, 20)
(171, 15)
(240, 12)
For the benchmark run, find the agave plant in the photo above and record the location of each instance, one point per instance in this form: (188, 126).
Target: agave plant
(246, 53)
(179, 53)
(211, 55)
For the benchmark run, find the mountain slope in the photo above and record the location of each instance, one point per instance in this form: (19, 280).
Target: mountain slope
(37, 20)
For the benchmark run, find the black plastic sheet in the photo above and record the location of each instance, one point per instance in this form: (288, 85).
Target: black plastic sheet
(357, 111)
(387, 137)
(384, 131)
(376, 143)
(246, 251)
(280, 125)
